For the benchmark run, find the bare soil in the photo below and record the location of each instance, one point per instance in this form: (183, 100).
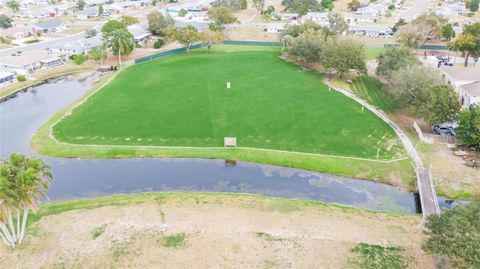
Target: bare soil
(223, 231)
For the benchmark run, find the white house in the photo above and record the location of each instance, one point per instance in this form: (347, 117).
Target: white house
(139, 32)
(89, 12)
(54, 25)
(372, 30)
(288, 16)
(15, 32)
(452, 8)
(274, 27)
(320, 18)
(6, 77)
(51, 62)
(465, 82)
(470, 94)
(26, 61)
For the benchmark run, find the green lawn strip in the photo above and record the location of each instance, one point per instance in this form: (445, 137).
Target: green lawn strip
(373, 53)
(181, 100)
(365, 169)
(371, 90)
(7, 90)
(247, 200)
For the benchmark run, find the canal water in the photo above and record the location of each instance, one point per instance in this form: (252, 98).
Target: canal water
(21, 116)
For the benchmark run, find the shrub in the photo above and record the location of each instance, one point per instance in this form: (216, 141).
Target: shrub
(159, 43)
(182, 12)
(79, 59)
(21, 78)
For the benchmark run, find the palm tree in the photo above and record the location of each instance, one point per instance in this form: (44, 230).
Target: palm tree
(22, 181)
(121, 42)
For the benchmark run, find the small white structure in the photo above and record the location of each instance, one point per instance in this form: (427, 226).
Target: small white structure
(320, 18)
(6, 77)
(274, 28)
(229, 85)
(51, 62)
(470, 94)
(230, 141)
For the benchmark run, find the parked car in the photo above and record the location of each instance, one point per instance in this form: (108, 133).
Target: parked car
(452, 130)
(442, 129)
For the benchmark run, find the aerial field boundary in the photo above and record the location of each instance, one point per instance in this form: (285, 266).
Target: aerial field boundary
(381, 170)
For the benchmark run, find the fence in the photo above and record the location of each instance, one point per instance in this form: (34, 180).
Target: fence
(166, 53)
(252, 43)
(422, 47)
(199, 45)
(433, 138)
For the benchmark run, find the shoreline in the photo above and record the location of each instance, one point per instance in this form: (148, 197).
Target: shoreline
(37, 82)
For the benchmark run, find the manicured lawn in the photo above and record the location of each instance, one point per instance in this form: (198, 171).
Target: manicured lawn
(181, 100)
(373, 53)
(370, 89)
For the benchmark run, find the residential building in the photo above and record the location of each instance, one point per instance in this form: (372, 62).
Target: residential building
(470, 94)
(26, 61)
(89, 12)
(288, 16)
(6, 77)
(320, 18)
(372, 30)
(465, 82)
(51, 62)
(54, 25)
(140, 32)
(274, 27)
(15, 32)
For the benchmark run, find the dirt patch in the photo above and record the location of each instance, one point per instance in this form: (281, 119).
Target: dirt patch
(215, 233)
(451, 176)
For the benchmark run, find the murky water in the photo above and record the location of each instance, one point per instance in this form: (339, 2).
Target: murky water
(21, 116)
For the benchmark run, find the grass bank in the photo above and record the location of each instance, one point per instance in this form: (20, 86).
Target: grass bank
(283, 205)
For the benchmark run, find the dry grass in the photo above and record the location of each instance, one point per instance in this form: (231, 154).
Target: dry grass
(214, 231)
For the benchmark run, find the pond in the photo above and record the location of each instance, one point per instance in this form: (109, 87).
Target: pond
(21, 116)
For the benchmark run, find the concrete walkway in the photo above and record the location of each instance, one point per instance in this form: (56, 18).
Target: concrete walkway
(428, 196)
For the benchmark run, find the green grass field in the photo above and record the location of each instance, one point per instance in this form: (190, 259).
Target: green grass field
(181, 100)
(373, 53)
(370, 89)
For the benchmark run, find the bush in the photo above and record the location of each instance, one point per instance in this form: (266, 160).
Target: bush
(159, 43)
(182, 12)
(79, 59)
(21, 78)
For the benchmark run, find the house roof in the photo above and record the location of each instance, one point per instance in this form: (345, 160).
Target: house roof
(461, 73)
(49, 24)
(13, 30)
(90, 11)
(5, 74)
(199, 25)
(27, 57)
(317, 14)
(372, 27)
(473, 89)
(137, 30)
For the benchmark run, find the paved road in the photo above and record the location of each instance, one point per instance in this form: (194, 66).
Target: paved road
(413, 12)
(428, 196)
(75, 38)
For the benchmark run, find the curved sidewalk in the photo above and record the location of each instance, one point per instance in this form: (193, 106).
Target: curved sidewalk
(428, 196)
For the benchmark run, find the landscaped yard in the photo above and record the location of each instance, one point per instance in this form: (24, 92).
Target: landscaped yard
(182, 100)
